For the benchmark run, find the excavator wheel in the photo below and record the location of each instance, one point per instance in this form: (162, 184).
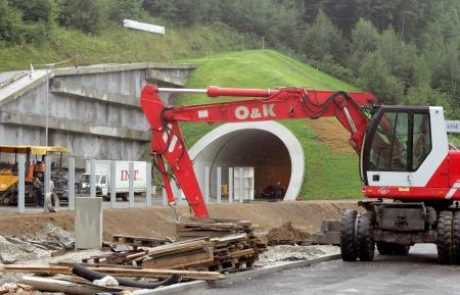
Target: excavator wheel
(365, 237)
(445, 237)
(456, 238)
(347, 236)
(385, 248)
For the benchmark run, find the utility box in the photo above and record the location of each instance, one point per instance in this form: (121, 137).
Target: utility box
(243, 183)
(88, 223)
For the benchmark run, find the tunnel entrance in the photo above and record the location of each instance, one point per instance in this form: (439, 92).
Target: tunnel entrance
(268, 149)
(261, 150)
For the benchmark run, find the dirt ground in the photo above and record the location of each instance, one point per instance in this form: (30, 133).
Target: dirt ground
(333, 134)
(305, 216)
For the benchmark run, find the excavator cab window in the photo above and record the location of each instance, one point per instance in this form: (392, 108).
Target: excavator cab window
(389, 147)
(422, 139)
(398, 140)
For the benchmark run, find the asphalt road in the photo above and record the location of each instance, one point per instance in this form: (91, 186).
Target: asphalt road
(418, 273)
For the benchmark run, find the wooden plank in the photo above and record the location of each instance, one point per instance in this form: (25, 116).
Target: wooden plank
(179, 262)
(123, 272)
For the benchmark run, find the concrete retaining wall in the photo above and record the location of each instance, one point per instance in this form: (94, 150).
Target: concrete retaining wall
(93, 110)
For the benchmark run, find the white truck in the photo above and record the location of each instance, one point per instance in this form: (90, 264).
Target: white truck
(103, 178)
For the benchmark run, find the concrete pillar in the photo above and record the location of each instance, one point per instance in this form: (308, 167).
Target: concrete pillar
(92, 191)
(113, 181)
(164, 197)
(131, 184)
(48, 160)
(241, 184)
(71, 183)
(218, 185)
(88, 223)
(206, 184)
(21, 183)
(148, 182)
(230, 185)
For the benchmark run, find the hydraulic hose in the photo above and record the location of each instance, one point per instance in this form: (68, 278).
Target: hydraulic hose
(92, 275)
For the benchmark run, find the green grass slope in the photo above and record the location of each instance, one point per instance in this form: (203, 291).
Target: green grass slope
(120, 45)
(329, 174)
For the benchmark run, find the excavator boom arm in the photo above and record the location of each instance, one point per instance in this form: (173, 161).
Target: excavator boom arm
(272, 104)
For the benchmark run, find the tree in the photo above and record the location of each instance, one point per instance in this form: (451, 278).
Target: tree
(400, 57)
(85, 15)
(37, 10)
(322, 38)
(375, 76)
(364, 39)
(9, 19)
(124, 9)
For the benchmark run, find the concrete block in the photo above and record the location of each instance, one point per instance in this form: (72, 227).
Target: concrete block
(88, 223)
(330, 225)
(329, 238)
(330, 233)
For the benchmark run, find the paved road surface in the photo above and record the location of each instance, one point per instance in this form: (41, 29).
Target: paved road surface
(419, 273)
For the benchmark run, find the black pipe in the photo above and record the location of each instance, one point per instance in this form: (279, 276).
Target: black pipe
(92, 275)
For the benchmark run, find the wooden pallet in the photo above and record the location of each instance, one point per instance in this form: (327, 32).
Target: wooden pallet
(139, 241)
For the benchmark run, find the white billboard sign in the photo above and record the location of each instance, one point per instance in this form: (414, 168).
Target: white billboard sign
(132, 24)
(453, 126)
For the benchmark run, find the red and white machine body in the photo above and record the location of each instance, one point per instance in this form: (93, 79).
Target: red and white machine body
(392, 163)
(436, 178)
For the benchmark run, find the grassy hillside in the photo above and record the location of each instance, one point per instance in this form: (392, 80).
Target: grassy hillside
(116, 44)
(330, 172)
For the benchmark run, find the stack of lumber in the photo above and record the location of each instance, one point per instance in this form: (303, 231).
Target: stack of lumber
(179, 255)
(234, 244)
(222, 245)
(235, 252)
(212, 227)
(184, 254)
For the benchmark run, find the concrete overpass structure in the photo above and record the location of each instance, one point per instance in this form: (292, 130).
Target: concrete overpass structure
(93, 110)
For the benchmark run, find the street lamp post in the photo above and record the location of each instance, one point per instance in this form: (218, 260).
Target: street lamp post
(48, 68)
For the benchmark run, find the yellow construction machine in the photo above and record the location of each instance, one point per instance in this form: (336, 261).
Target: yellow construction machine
(34, 171)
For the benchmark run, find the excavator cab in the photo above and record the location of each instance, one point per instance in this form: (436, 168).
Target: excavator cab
(34, 170)
(403, 147)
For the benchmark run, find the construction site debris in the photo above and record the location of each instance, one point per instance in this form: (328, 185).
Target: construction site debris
(15, 288)
(234, 245)
(140, 241)
(117, 271)
(66, 285)
(284, 253)
(287, 234)
(32, 246)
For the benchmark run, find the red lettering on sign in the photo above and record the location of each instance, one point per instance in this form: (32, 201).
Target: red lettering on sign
(125, 175)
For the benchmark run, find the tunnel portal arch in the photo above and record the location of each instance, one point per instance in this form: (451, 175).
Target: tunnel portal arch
(270, 147)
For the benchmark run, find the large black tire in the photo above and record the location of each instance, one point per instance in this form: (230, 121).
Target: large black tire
(348, 249)
(385, 248)
(365, 237)
(445, 241)
(456, 238)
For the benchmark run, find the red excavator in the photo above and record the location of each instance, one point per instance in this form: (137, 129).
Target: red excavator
(408, 170)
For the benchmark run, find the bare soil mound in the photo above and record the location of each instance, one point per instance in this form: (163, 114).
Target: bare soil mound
(304, 216)
(286, 232)
(333, 134)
